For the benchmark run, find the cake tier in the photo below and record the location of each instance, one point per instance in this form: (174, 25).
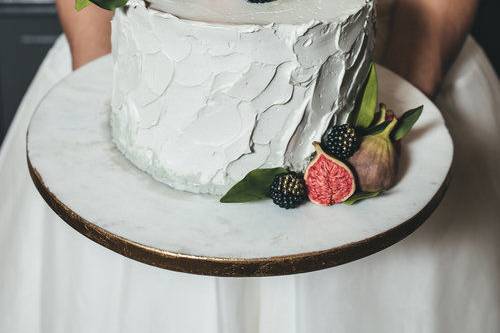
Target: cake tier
(243, 11)
(198, 105)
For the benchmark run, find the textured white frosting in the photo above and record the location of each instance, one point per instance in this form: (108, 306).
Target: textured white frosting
(198, 105)
(242, 11)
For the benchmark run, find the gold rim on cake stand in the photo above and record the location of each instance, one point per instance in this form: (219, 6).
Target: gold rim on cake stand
(229, 267)
(123, 209)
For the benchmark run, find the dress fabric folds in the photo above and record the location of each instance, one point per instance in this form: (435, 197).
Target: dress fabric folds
(443, 278)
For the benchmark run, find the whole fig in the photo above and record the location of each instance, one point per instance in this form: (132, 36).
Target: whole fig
(376, 161)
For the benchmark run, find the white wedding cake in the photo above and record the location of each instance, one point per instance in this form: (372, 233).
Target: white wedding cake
(207, 90)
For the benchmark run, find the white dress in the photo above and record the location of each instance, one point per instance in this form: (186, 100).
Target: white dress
(443, 278)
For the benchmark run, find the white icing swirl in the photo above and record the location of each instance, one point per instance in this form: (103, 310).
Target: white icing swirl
(198, 105)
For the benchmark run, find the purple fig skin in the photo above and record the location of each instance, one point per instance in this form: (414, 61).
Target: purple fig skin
(376, 162)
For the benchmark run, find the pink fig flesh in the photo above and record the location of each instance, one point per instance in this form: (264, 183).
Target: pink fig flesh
(328, 180)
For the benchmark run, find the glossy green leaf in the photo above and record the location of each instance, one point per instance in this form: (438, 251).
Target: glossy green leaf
(374, 129)
(357, 197)
(110, 4)
(368, 107)
(406, 123)
(255, 186)
(80, 4)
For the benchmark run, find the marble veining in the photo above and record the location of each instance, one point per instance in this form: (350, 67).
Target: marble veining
(69, 144)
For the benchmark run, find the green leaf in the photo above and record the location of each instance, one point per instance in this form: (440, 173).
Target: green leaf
(406, 122)
(368, 106)
(110, 4)
(80, 4)
(255, 186)
(360, 197)
(375, 129)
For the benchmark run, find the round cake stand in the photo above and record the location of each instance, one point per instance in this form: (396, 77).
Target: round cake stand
(90, 185)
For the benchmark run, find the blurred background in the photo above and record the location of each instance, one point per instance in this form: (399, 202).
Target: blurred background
(28, 28)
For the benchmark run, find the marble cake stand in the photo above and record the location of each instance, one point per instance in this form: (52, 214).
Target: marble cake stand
(92, 187)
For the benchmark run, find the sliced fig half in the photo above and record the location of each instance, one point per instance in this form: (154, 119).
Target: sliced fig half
(328, 180)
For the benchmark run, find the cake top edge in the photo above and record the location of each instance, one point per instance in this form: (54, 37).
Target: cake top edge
(244, 12)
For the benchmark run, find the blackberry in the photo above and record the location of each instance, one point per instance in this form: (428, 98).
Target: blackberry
(288, 190)
(341, 141)
(259, 1)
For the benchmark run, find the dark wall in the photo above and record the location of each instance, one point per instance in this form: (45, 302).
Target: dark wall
(27, 30)
(487, 30)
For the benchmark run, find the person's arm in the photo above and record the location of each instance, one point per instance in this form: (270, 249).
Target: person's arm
(88, 31)
(426, 36)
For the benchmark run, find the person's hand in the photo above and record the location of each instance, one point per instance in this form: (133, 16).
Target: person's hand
(88, 31)
(425, 38)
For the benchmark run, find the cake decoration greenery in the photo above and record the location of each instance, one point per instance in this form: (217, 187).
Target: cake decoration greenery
(406, 122)
(360, 196)
(368, 106)
(105, 4)
(352, 163)
(80, 4)
(255, 186)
